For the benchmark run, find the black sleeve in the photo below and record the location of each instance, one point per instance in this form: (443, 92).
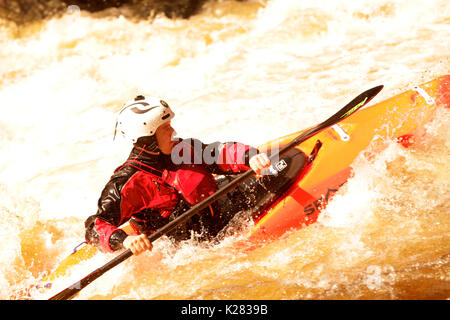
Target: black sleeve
(116, 240)
(109, 209)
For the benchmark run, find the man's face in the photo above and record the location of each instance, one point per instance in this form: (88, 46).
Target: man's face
(164, 135)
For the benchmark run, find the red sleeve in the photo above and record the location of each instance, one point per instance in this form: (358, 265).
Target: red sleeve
(139, 193)
(104, 231)
(235, 157)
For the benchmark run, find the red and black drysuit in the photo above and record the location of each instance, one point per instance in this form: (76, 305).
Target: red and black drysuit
(150, 190)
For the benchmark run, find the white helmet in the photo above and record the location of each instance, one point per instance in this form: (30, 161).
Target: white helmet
(141, 117)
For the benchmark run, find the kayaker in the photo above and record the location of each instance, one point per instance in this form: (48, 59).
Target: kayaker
(162, 177)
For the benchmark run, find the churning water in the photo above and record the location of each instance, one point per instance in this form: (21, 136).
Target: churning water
(244, 71)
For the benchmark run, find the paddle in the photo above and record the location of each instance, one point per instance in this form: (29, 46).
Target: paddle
(346, 111)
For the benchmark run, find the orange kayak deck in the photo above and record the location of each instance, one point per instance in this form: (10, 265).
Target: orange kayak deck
(397, 118)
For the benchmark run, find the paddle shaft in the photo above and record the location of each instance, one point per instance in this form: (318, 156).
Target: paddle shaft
(346, 111)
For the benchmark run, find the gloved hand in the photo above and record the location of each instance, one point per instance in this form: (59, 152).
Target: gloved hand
(137, 244)
(259, 163)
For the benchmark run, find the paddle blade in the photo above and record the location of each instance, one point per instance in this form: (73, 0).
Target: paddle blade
(350, 108)
(356, 103)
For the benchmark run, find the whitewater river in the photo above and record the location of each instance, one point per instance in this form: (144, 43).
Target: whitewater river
(243, 71)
